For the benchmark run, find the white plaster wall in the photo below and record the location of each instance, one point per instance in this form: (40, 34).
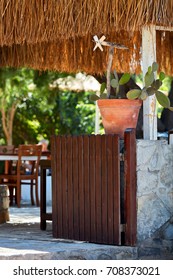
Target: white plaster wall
(154, 186)
(25, 194)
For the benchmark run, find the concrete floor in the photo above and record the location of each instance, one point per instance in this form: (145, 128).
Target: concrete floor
(22, 239)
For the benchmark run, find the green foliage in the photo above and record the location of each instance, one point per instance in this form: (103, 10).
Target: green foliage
(43, 109)
(102, 87)
(14, 86)
(124, 79)
(162, 99)
(115, 83)
(134, 93)
(94, 97)
(152, 87)
(155, 67)
(161, 76)
(149, 78)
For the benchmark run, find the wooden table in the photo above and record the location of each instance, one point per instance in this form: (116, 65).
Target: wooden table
(44, 165)
(8, 157)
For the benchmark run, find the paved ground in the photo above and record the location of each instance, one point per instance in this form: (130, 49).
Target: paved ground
(21, 238)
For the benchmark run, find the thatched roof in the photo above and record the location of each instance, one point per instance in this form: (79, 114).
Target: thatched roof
(58, 35)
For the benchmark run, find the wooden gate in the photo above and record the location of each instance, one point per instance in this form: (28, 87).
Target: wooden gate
(86, 182)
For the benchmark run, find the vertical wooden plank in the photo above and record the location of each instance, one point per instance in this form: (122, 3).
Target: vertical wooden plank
(130, 187)
(59, 184)
(75, 186)
(70, 189)
(42, 196)
(86, 188)
(110, 190)
(104, 190)
(64, 188)
(92, 171)
(81, 188)
(116, 190)
(56, 182)
(98, 188)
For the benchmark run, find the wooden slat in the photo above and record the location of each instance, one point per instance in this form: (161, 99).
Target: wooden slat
(116, 190)
(110, 192)
(92, 172)
(75, 176)
(130, 187)
(55, 182)
(64, 187)
(59, 182)
(81, 188)
(87, 208)
(98, 189)
(70, 189)
(104, 190)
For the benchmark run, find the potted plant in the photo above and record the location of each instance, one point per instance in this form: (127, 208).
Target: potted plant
(117, 113)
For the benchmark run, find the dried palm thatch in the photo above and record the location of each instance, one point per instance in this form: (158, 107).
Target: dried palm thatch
(57, 35)
(66, 56)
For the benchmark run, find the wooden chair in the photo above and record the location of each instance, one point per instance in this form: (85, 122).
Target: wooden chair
(6, 166)
(5, 150)
(28, 155)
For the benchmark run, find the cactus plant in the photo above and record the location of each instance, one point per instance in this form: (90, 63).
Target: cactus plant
(151, 87)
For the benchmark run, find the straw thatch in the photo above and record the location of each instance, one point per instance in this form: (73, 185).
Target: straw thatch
(58, 35)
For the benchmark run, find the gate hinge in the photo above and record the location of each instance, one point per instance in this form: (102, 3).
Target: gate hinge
(123, 227)
(121, 156)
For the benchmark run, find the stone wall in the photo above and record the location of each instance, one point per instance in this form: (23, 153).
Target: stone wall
(154, 186)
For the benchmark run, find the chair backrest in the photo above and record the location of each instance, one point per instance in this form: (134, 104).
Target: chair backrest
(33, 154)
(6, 149)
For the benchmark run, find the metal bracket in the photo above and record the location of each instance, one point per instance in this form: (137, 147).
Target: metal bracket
(121, 156)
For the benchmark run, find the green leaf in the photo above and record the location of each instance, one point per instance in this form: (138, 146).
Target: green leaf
(162, 76)
(94, 97)
(162, 99)
(170, 108)
(133, 93)
(149, 69)
(103, 96)
(102, 87)
(156, 84)
(144, 94)
(149, 79)
(155, 66)
(115, 75)
(112, 76)
(124, 79)
(150, 91)
(114, 83)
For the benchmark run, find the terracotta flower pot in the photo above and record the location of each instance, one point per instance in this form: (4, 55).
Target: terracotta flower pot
(119, 114)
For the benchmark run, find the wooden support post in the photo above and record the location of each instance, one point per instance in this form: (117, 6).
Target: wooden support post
(130, 187)
(148, 57)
